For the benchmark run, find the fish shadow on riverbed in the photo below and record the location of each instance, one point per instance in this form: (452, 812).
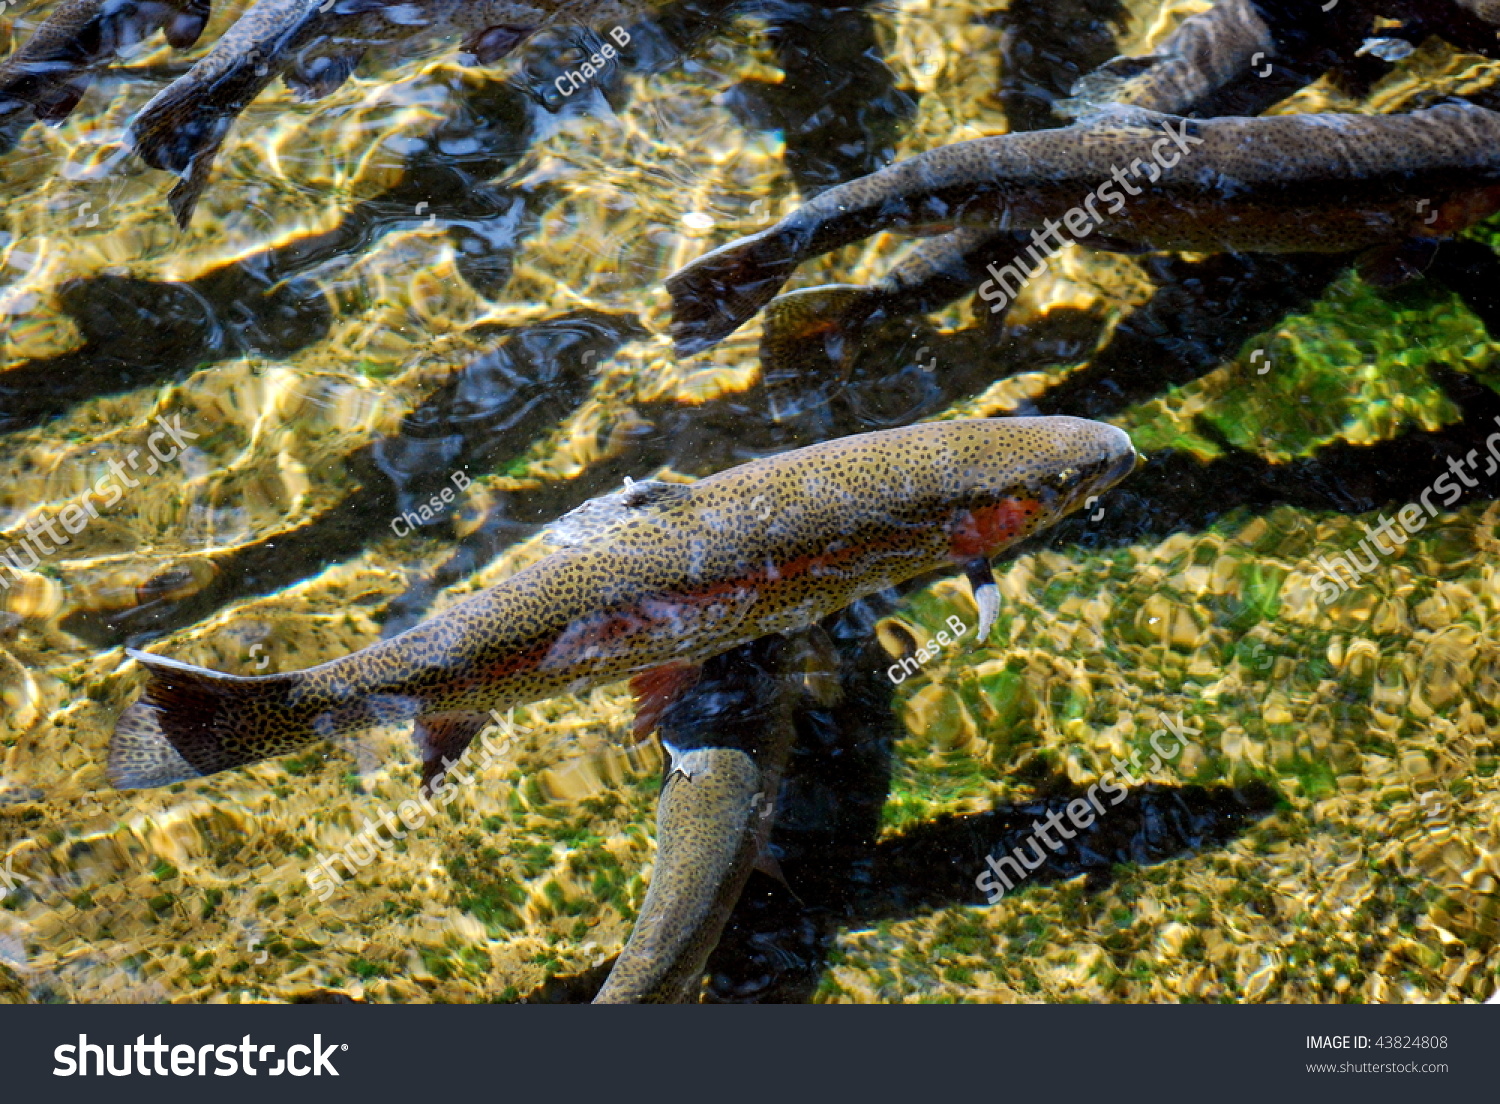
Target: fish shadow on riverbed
(840, 875)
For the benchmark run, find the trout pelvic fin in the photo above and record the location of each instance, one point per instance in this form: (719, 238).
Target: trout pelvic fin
(442, 738)
(656, 689)
(986, 595)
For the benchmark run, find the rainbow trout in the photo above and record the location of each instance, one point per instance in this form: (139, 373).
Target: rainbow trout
(706, 847)
(727, 741)
(314, 45)
(1134, 180)
(51, 72)
(1203, 54)
(649, 582)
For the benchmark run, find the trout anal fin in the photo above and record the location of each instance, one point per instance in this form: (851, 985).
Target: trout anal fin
(442, 739)
(986, 594)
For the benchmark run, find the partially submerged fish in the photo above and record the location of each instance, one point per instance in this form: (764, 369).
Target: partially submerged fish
(1203, 54)
(52, 70)
(649, 582)
(1286, 183)
(935, 273)
(727, 741)
(315, 45)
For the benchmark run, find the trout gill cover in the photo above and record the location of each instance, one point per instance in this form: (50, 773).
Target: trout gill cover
(649, 582)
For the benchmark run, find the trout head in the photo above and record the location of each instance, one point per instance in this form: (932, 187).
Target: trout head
(1021, 475)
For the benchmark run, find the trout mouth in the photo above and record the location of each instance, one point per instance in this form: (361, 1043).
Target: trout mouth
(1076, 485)
(1124, 464)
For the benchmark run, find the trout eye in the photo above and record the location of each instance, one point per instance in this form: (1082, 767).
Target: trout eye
(1065, 480)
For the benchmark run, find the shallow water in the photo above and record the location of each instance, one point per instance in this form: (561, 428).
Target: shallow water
(439, 269)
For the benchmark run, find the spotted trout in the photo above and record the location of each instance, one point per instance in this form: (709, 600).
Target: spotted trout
(50, 73)
(727, 740)
(314, 45)
(647, 583)
(1134, 180)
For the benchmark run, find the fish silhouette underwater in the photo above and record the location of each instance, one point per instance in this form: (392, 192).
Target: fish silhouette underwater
(1132, 180)
(315, 45)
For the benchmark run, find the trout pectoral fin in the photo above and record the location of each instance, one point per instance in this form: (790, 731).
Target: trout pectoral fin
(655, 690)
(441, 739)
(1389, 266)
(986, 594)
(769, 865)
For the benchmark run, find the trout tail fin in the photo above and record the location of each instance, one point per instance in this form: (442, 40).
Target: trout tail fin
(190, 721)
(179, 135)
(721, 291)
(832, 315)
(182, 128)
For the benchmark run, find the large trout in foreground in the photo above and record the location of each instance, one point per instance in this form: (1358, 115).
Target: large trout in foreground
(649, 582)
(1130, 179)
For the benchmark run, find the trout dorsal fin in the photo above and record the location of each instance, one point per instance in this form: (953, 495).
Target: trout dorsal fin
(1104, 85)
(599, 517)
(1103, 120)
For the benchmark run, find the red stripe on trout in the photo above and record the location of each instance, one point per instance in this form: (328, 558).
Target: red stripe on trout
(980, 533)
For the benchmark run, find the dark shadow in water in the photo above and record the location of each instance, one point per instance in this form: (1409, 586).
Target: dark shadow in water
(1176, 492)
(1199, 316)
(1045, 47)
(837, 105)
(840, 875)
(139, 333)
(486, 413)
